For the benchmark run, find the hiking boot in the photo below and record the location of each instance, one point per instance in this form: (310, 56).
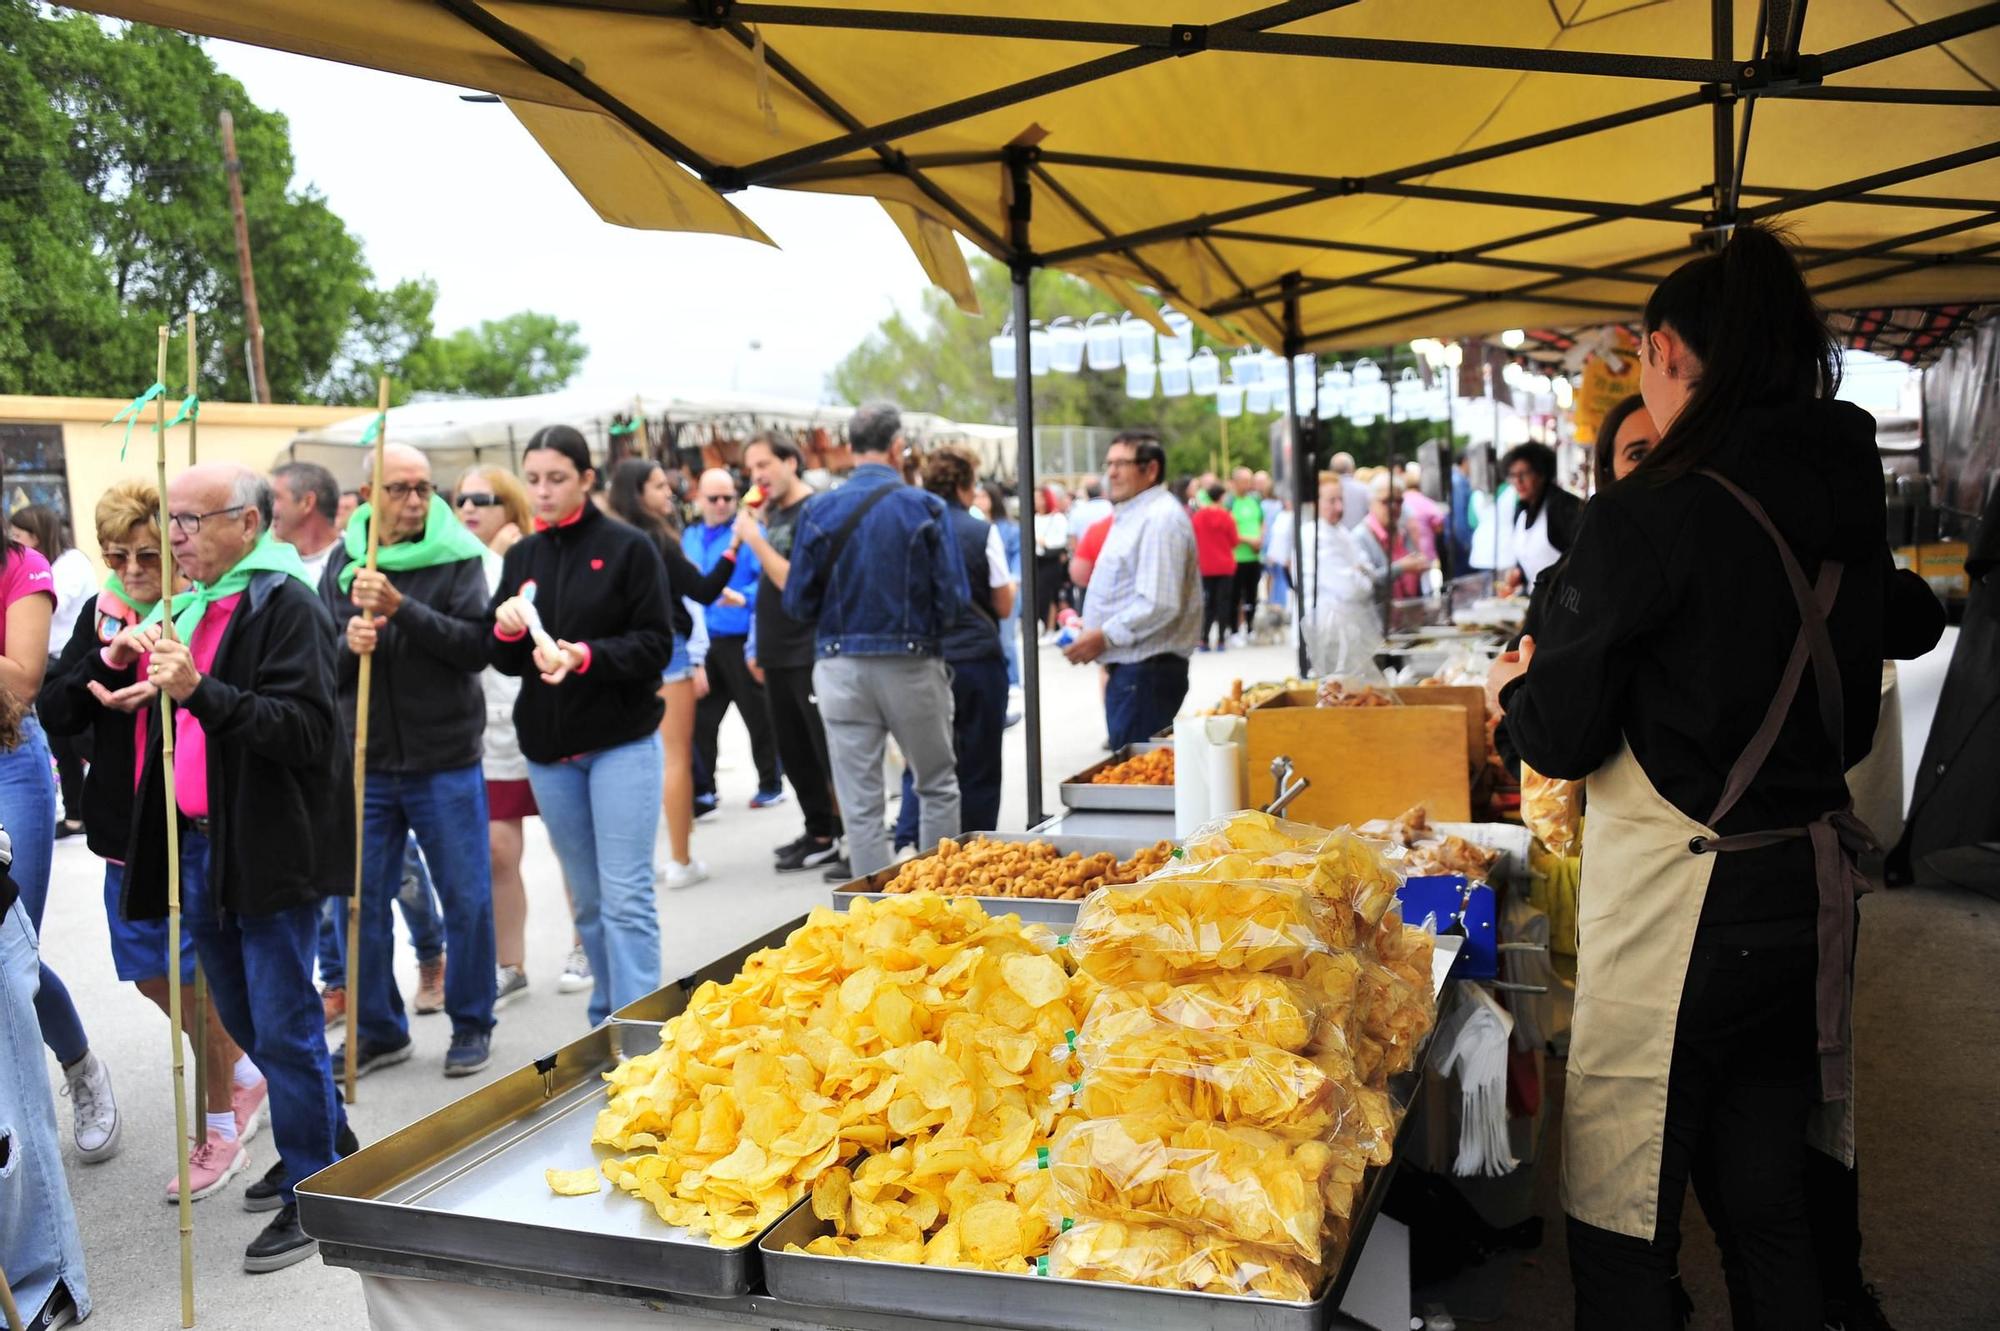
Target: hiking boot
(430, 986)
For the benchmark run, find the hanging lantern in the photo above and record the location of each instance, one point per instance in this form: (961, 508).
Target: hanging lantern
(1275, 370)
(1038, 349)
(1139, 376)
(1066, 338)
(1246, 366)
(1257, 399)
(1206, 372)
(1229, 400)
(1181, 345)
(1135, 339)
(1175, 378)
(1102, 343)
(1002, 345)
(1332, 395)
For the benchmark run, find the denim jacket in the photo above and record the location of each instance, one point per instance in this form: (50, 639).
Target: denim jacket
(900, 581)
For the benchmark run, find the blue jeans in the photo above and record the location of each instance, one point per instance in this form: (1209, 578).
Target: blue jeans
(978, 720)
(28, 812)
(284, 1030)
(446, 813)
(39, 1243)
(1143, 697)
(1281, 585)
(417, 901)
(602, 811)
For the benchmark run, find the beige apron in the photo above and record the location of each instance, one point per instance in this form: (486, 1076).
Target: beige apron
(1646, 869)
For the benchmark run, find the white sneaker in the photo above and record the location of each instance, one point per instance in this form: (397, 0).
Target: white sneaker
(88, 1086)
(575, 976)
(905, 855)
(685, 875)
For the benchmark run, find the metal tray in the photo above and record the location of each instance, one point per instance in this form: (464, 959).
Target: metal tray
(1079, 793)
(465, 1184)
(668, 1001)
(1031, 909)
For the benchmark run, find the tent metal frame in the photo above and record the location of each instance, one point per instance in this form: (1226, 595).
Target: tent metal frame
(1729, 84)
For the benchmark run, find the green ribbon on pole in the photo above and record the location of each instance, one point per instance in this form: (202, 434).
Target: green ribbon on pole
(190, 408)
(629, 427)
(130, 415)
(374, 430)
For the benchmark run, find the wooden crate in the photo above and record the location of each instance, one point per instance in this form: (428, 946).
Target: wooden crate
(1467, 699)
(1364, 762)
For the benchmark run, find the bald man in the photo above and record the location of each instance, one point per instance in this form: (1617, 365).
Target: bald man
(261, 784)
(421, 614)
(731, 677)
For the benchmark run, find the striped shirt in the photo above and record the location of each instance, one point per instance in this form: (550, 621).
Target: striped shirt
(1145, 592)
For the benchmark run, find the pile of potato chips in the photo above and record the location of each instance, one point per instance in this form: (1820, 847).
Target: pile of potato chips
(917, 1029)
(1247, 1005)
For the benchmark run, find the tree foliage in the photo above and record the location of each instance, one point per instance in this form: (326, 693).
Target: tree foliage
(940, 361)
(115, 218)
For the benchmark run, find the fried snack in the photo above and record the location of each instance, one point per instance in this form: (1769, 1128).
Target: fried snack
(1240, 701)
(1134, 1063)
(1154, 767)
(1242, 1183)
(906, 1020)
(1334, 693)
(1552, 808)
(984, 867)
(1430, 852)
(1184, 928)
(1162, 1257)
(1264, 1009)
(573, 1182)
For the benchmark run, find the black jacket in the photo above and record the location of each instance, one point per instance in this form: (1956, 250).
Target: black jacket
(685, 579)
(66, 707)
(1671, 622)
(280, 788)
(600, 583)
(426, 711)
(975, 634)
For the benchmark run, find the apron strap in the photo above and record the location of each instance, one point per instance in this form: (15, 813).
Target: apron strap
(1751, 760)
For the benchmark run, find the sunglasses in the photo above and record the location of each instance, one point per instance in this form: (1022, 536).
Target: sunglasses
(116, 558)
(479, 500)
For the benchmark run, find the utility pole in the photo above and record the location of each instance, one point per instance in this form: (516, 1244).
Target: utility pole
(253, 327)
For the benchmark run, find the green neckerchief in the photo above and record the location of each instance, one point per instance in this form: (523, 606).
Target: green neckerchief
(445, 541)
(117, 589)
(267, 556)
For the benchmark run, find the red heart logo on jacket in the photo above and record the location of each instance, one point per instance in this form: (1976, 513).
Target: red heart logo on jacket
(597, 563)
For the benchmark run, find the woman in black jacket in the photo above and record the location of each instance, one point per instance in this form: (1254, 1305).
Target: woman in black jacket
(589, 709)
(641, 497)
(1711, 661)
(1545, 523)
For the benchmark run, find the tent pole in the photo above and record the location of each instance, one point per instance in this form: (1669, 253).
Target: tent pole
(1020, 209)
(1304, 499)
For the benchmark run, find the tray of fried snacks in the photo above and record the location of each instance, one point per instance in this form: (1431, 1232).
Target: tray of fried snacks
(1240, 700)
(1433, 850)
(1138, 778)
(1339, 693)
(1037, 877)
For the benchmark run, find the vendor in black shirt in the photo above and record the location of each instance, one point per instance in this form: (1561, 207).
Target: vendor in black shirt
(1710, 659)
(780, 651)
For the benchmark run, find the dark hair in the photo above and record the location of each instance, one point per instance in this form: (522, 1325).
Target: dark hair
(996, 495)
(874, 427)
(309, 478)
(1605, 454)
(628, 504)
(1748, 317)
(782, 449)
(566, 440)
(947, 472)
(46, 525)
(1541, 459)
(1146, 452)
(1215, 492)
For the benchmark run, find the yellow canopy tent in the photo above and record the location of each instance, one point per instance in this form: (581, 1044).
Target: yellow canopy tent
(1311, 174)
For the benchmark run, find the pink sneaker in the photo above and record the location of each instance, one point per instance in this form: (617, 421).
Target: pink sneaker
(248, 1102)
(210, 1167)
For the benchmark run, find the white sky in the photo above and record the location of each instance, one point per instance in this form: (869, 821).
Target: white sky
(459, 192)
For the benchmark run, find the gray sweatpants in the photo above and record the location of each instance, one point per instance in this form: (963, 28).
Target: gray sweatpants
(862, 701)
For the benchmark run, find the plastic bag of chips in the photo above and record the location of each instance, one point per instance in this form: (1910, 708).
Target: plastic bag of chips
(1275, 1010)
(1162, 1257)
(1552, 808)
(1242, 1183)
(1134, 1063)
(1179, 928)
(1338, 867)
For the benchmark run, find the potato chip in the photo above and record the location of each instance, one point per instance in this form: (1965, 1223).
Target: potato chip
(574, 1182)
(1037, 979)
(1161, 1257)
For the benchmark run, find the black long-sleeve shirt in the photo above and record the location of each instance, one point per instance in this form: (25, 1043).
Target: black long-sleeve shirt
(685, 579)
(1671, 623)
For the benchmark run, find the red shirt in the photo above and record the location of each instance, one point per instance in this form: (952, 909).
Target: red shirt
(190, 740)
(1215, 540)
(1092, 543)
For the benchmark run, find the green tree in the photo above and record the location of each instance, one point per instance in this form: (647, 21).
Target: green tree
(523, 353)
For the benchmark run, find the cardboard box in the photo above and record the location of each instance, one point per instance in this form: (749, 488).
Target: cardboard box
(1365, 762)
(1940, 563)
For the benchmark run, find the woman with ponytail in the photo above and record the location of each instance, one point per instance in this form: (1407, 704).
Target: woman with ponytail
(1710, 660)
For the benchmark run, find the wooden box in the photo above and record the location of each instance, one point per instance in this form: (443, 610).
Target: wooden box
(1468, 699)
(1365, 762)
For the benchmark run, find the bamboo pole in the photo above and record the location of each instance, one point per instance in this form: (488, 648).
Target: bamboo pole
(198, 1019)
(364, 679)
(8, 1311)
(173, 870)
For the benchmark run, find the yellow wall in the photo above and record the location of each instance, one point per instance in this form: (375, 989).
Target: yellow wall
(253, 435)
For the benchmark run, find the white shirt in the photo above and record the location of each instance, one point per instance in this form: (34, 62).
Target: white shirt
(1532, 550)
(997, 574)
(1051, 533)
(316, 564)
(1145, 592)
(502, 760)
(1087, 513)
(1339, 615)
(75, 583)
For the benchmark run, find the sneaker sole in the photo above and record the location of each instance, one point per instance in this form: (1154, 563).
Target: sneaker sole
(242, 1160)
(426, 1009)
(98, 1155)
(367, 1065)
(465, 1069)
(501, 1000)
(278, 1261)
(573, 985)
(271, 1203)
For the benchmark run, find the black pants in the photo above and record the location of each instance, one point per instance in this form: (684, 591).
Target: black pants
(978, 720)
(730, 681)
(1243, 608)
(1218, 607)
(801, 741)
(1743, 1080)
(69, 774)
(1051, 576)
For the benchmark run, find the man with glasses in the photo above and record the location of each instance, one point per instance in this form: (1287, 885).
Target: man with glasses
(731, 679)
(421, 613)
(1143, 616)
(262, 796)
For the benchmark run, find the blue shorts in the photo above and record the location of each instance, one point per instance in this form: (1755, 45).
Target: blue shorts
(139, 947)
(681, 666)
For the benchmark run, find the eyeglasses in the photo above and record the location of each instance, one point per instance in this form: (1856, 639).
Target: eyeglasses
(116, 558)
(718, 499)
(1111, 464)
(478, 500)
(189, 524)
(398, 491)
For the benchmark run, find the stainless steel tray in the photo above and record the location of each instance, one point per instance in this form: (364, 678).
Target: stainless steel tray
(1079, 793)
(668, 1001)
(1032, 909)
(466, 1184)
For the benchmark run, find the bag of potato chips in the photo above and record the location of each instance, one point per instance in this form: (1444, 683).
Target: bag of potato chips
(1177, 929)
(1265, 1009)
(1162, 1257)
